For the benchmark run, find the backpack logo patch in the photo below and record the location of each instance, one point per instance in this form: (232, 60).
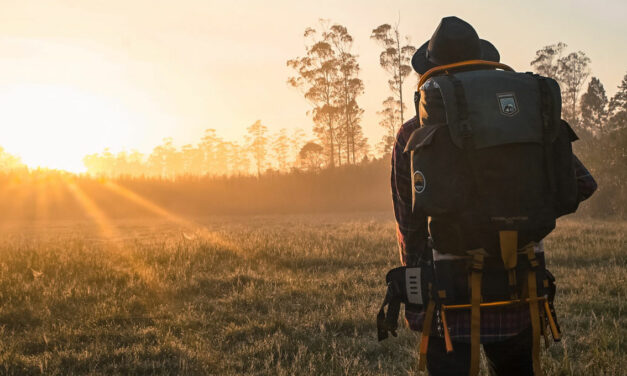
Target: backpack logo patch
(507, 103)
(420, 183)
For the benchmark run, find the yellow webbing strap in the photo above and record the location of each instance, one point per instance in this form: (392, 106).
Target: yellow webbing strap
(534, 313)
(443, 68)
(475, 312)
(426, 330)
(447, 334)
(556, 334)
(508, 240)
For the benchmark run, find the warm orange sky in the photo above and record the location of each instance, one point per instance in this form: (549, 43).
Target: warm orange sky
(80, 75)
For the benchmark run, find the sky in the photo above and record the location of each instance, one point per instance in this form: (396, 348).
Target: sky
(77, 76)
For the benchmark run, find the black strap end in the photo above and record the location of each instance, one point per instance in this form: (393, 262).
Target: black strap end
(382, 332)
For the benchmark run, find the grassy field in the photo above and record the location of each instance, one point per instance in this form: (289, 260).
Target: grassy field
(281, 295)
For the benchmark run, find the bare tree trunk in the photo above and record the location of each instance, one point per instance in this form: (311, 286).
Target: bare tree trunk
(331, 143)
(330, 123)
(347, 122)
(348, 145)
(400, 77)
(339, 153)
(353, 144)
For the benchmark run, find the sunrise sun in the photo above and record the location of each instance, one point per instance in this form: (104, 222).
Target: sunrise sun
(54, 126)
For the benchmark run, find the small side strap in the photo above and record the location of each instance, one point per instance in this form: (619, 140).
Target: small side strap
(475, 312)
(511, 278)
(545, 328)
(393, 299)
(426, 331)
(508, 241)
(382, 332)
(388, 323)
(417, 102)
(534, 312)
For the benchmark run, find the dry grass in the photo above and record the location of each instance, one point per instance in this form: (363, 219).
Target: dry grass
(285, 295)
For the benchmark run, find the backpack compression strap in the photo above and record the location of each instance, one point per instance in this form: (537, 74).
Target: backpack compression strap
(508, 241)
(476, 275)
(461, 64)
(534, 311)
(475, 318)
(426, 331)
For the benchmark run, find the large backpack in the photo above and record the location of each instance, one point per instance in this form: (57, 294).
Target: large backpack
(492, 156)
(492, 166)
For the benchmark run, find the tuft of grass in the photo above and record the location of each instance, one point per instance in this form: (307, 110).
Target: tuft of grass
(260, 295)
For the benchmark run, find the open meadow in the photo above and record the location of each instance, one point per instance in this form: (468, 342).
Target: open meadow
(210, 187)
(259, 295)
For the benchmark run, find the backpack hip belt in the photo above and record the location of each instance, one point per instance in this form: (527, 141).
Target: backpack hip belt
(538, 297)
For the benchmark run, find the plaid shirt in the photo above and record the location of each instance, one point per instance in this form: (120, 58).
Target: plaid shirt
(497, 324)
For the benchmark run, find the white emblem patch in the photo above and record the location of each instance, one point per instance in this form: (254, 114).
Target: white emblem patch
(420, 183)
(507, 103)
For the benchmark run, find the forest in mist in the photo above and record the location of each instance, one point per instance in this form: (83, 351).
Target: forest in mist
(339, 169)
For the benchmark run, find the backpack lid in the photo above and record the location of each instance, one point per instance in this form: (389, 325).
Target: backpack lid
(497, 107)
(422, 137)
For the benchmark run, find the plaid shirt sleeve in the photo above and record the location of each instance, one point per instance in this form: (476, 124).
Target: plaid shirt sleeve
(411, 228)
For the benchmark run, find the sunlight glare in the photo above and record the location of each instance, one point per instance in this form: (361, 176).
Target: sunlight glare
(56, 126)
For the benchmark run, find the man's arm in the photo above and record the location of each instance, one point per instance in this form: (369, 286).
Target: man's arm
(411, 228)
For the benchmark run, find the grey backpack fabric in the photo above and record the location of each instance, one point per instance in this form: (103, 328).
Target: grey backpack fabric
(492, 154)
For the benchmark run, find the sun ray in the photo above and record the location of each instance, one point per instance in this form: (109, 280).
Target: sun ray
(56, 191)
(12, 198)
(94, 212)
(42, 200)
(147, 204)
(199, 229)
(127, 260)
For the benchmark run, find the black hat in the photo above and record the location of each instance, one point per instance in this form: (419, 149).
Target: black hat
(454, 40)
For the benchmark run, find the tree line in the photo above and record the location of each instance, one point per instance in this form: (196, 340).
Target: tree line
(259, 152)
(328, 76)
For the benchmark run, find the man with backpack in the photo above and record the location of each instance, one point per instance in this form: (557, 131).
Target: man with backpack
(479, 177)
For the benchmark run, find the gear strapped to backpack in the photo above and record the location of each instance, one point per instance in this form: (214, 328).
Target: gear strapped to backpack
(492, 166)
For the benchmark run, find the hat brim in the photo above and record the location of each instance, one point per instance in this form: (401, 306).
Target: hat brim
(421, 64)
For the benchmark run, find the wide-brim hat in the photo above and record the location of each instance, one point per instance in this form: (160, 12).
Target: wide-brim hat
(453, 41)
